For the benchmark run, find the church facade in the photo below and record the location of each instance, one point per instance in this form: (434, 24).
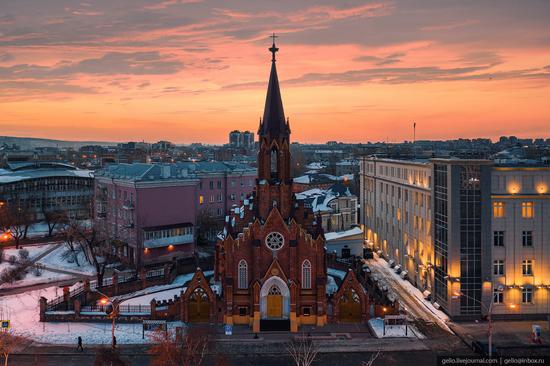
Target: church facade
(271, 263)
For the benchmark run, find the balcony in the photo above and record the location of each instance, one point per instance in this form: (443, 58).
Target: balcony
(172, 240)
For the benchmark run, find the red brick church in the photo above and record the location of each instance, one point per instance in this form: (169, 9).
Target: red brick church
(271, 264)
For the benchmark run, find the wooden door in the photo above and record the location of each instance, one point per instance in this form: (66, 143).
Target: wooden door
(274, 303)
(199, 307)
(350, 307)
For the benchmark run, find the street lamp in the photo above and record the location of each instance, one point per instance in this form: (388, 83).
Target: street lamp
(489, 318)
(115, 304)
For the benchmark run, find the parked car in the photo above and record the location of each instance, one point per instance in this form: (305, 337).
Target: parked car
(482, 348)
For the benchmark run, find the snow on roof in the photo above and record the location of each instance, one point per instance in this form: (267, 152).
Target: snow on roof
(8, 176)
(343, 234)
(319, 199)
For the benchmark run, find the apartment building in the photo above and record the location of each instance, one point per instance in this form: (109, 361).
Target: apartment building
(470, 235)
(149, 212)
(520, 240)
(396, 202)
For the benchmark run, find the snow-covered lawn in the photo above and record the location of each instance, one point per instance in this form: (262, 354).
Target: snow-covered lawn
(34, 250)
(159, 292)
(59, 259)
(393, 331)
(23, 312)
(31, 279)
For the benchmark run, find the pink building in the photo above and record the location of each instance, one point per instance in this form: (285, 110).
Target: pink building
(149, 211)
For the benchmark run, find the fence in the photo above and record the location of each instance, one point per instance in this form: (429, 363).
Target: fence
(122, 309)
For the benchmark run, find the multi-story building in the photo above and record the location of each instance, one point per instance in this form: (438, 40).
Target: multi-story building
(149, 212)
(244, 139)
(520, 261)
(397, 217)
(41, 187)
(469, 233)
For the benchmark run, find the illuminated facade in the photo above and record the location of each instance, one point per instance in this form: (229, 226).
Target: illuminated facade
(521, 240)
(396, 203)
(481, 238)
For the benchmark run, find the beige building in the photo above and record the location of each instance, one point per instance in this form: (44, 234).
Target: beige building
(473, 235)
(396, 214)
(521, 240)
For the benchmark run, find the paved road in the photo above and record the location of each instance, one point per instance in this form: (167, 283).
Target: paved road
(414, 306)
(139, 357)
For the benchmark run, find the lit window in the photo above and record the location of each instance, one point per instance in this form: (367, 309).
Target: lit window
(243, 274)
(201, 199)
(498, 209)
(527, 267)
(527, 295)
(306, 274)
(527, 210)
(498, 296)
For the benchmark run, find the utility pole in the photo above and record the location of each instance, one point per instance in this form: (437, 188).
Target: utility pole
(414, 140)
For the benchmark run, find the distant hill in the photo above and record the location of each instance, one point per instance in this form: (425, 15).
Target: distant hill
(31, 142)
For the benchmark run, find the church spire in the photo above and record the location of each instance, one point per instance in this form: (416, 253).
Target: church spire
(274, 123)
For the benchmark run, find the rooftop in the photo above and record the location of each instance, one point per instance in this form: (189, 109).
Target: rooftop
(21, 171)
(175, 171)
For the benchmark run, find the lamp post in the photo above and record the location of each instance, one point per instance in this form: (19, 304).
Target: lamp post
(489, 318)
(115, 304)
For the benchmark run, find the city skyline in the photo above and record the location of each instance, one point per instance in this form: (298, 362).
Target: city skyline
(194, 70)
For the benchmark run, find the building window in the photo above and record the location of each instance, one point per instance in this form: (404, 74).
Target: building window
(527, 267)
(306, 274)
(498, 267)
(498, 238)
(232, 196)
(498, 209)
(498, 296)
(243, 274)
(306, 310)
(527, 295)
(211, 184)
(527, 210)
(527, 238)
(201, 199)
(243, 310)
(219, 184)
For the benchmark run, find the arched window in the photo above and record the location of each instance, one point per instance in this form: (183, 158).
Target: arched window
(274, 163)
(243, 274)
(306, 274)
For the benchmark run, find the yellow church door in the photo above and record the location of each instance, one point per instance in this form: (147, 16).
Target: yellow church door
(274, 303)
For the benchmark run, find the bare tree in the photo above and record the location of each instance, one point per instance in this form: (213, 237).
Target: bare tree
(190, 350)
(92, 241)
(8, 342)
(70, 234)
(15, 217)
(208, 226)
(54, 218)
(302, 350)
(373, 358)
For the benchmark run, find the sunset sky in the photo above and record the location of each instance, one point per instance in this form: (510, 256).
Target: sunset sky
(355, 71)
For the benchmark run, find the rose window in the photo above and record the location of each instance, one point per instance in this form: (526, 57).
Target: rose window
(274, 241)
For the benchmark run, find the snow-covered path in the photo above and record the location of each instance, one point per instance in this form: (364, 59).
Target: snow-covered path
(409, 296)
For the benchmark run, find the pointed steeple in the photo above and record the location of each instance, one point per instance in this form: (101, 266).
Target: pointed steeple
(274, 123)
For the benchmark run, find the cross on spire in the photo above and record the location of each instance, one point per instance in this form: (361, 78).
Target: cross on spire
(273, 48)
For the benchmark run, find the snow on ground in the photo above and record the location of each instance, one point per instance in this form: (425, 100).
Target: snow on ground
(34, 250)
(58, 259)
(336, 273)
(158, 296)
(31, 279)
(23, 312)
(384, 269)
(332, 287)
(176, 285)
(393, 331)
